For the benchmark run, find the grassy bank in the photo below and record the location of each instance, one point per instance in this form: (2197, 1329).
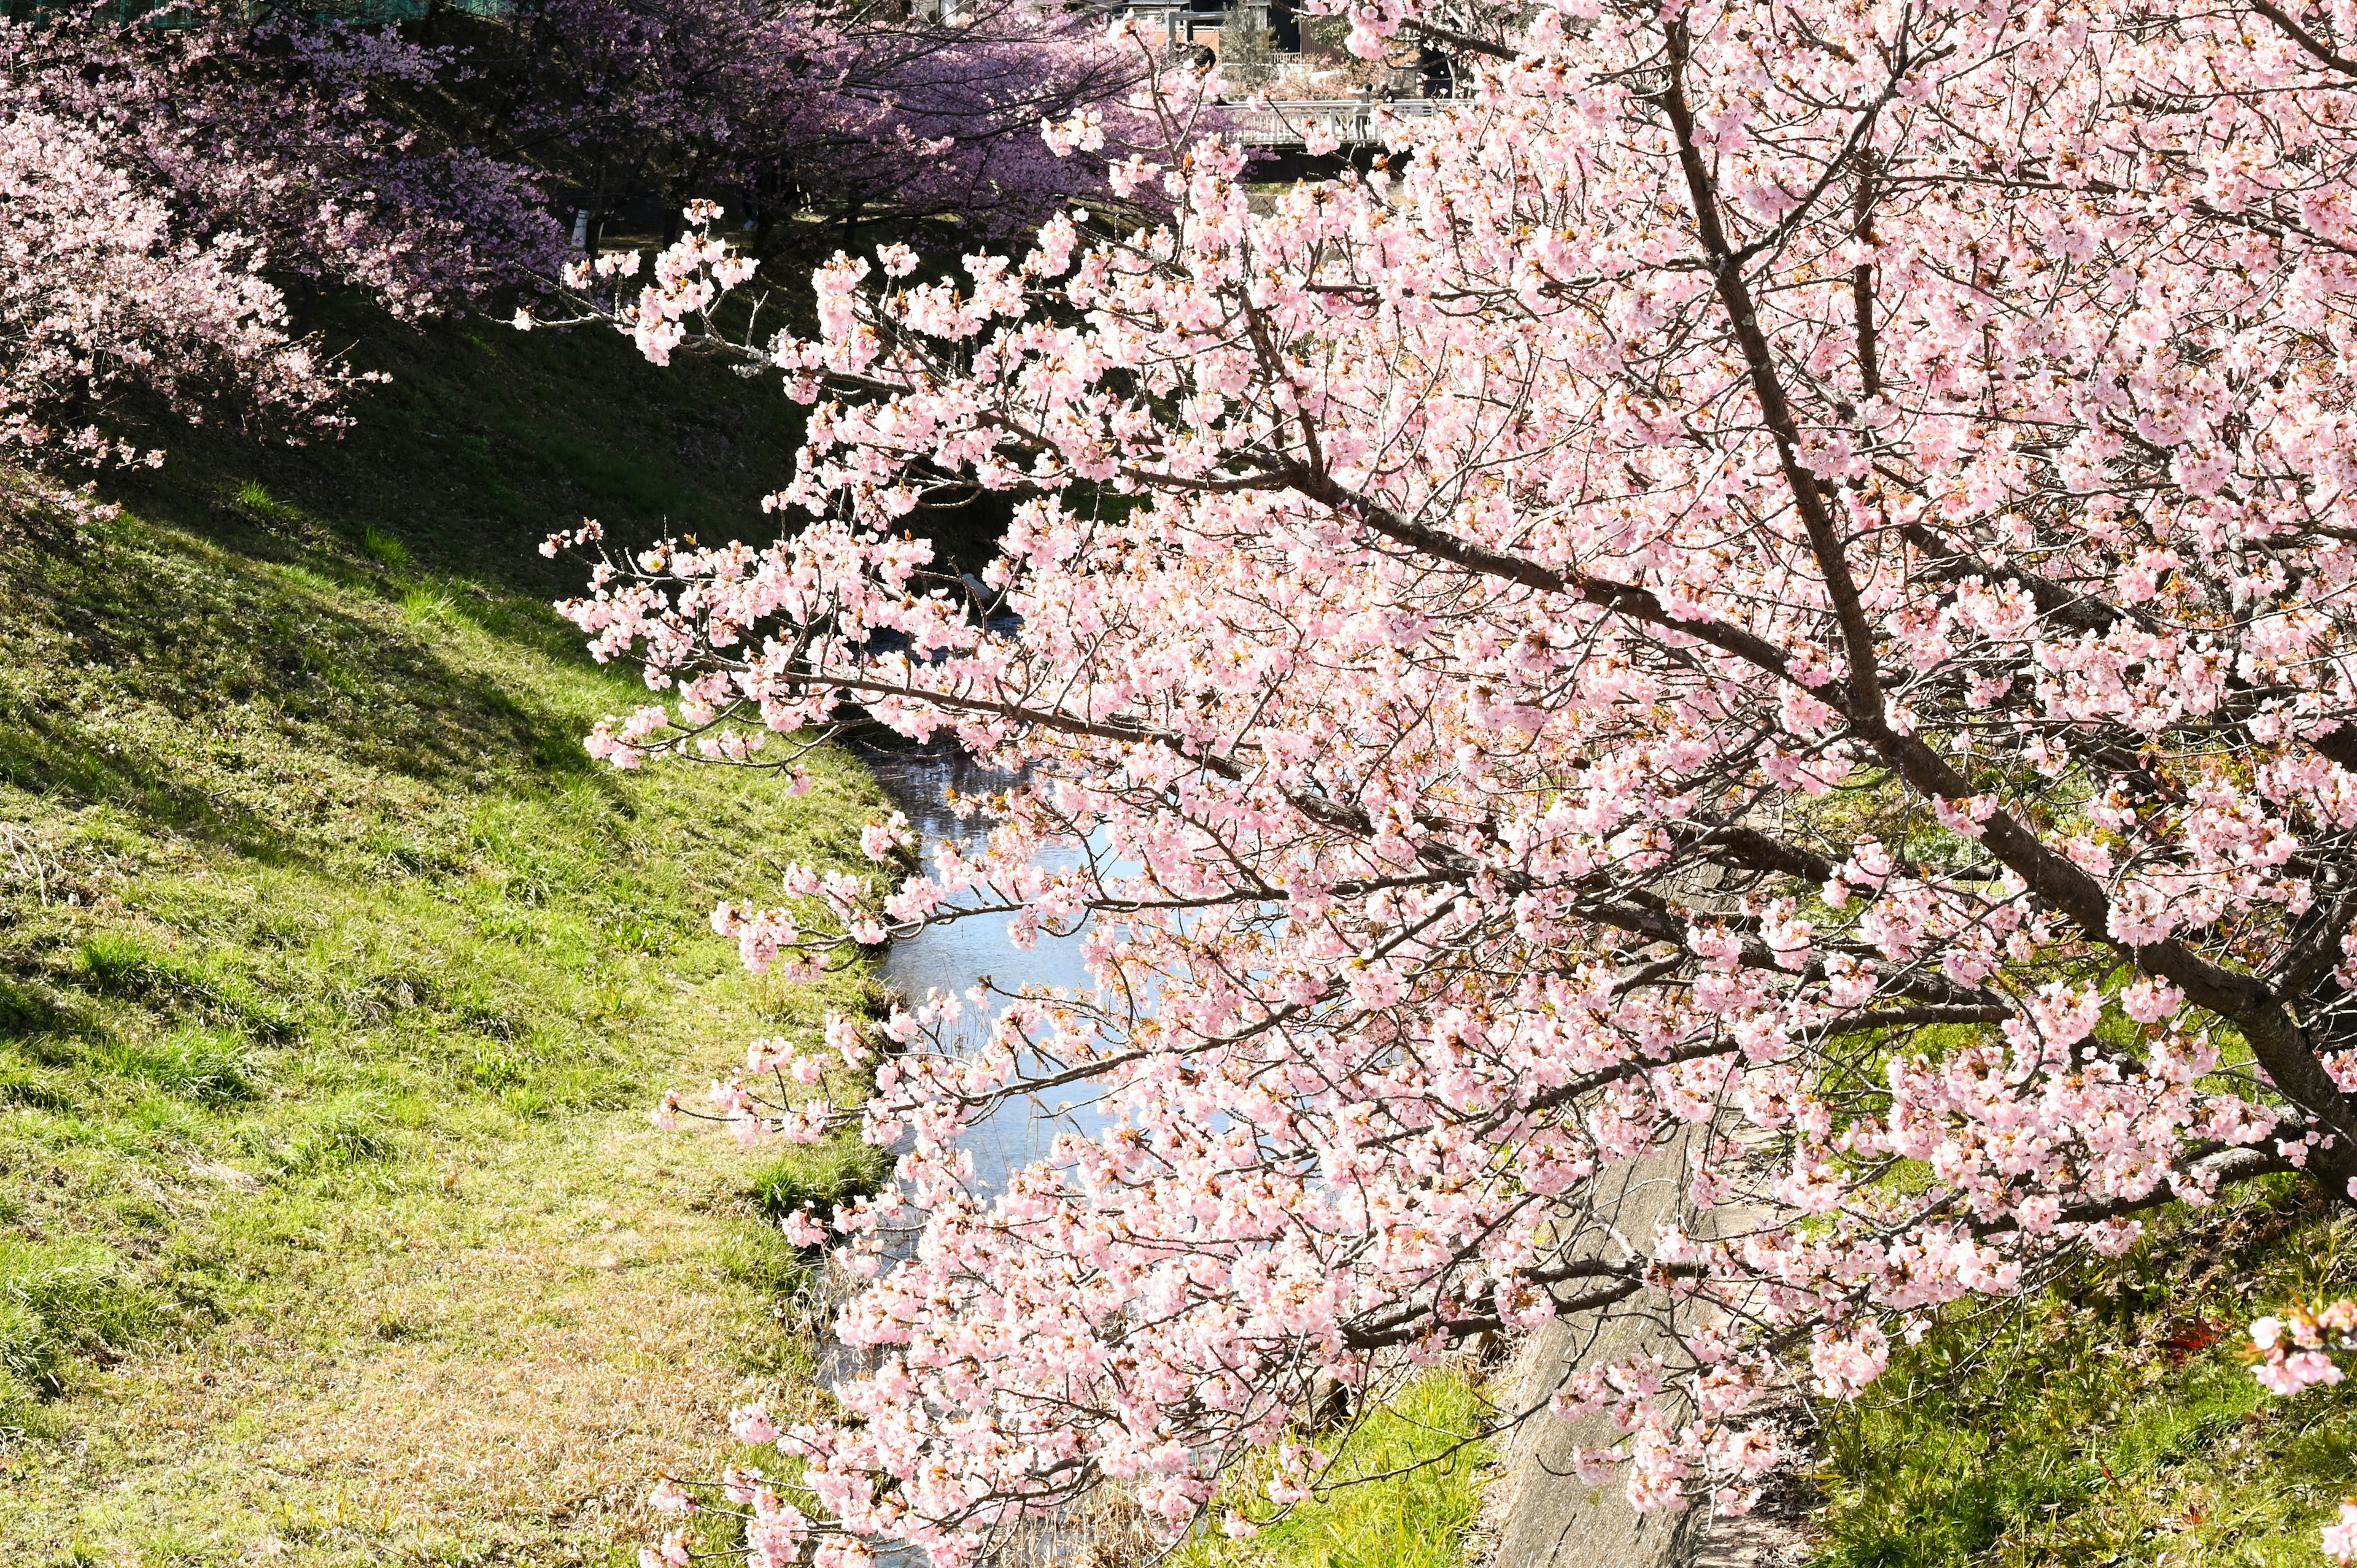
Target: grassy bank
(335, 981)
(2113, 1420)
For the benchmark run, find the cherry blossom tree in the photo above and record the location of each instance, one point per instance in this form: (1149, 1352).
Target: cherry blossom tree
(101, 290)
(889, 109)
(307, 137)
(260, 148)
(164, 183)
(1765, 604)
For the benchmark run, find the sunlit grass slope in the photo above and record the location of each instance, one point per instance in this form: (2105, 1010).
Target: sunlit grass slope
(335, 982)
(1411, 1476)
(2113, 1420)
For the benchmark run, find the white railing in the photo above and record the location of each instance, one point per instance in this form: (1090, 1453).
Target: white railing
(1352, 122)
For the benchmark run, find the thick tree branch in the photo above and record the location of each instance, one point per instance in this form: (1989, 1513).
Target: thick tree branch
(2304, 38)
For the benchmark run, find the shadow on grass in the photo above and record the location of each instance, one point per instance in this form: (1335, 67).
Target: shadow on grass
(485, 441)
(135, 631)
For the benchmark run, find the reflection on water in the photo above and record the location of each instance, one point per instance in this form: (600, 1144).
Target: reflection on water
(951, 958)
(919, 781)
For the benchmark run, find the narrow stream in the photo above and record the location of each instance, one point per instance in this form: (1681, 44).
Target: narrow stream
(919, 781)
(951, 958)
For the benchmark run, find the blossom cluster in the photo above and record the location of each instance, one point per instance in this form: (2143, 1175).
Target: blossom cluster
(2293, 1352)
(102, 290)
(301, 134)
(2294, 1349)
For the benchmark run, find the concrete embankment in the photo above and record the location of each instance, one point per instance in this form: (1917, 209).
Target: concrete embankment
(1543, 1514)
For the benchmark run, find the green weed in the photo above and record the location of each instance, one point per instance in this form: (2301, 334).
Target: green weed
(2111, 1420)
(382, 547)
(27, 1011)
(58, 1301)
(110, 962)
(253, 497)
(423, 606)
(499, 1066)
(759, 1256)
(1405, 1490)
(208, 1066)
(340, 1138)
(818, 1178)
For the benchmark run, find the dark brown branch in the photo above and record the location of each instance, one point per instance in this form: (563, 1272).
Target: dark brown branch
(1775, 408)
(2304, 38)
(1861, 284)
(1911, 1017)
(1457, 40)
(1621, 598)
(2230, 1167)
(2276, 1038)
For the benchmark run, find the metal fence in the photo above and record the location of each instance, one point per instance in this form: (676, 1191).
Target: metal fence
(1352, 122)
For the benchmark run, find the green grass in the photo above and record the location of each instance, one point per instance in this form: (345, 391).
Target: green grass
(335, 981)
(2110, 1421)
(1407, 1488)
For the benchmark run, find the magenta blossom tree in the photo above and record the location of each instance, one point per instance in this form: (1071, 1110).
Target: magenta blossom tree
(307, 137)
(163, 182)
(888, 110)
(1769, 603)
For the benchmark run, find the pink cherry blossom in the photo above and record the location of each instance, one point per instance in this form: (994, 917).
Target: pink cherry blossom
(1762, 608)
(158, 183)
(2341, 1536)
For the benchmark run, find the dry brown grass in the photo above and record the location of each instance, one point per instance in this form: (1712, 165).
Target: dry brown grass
(499, 1379)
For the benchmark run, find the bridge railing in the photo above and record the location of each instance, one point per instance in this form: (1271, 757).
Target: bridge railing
(1352, 122)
